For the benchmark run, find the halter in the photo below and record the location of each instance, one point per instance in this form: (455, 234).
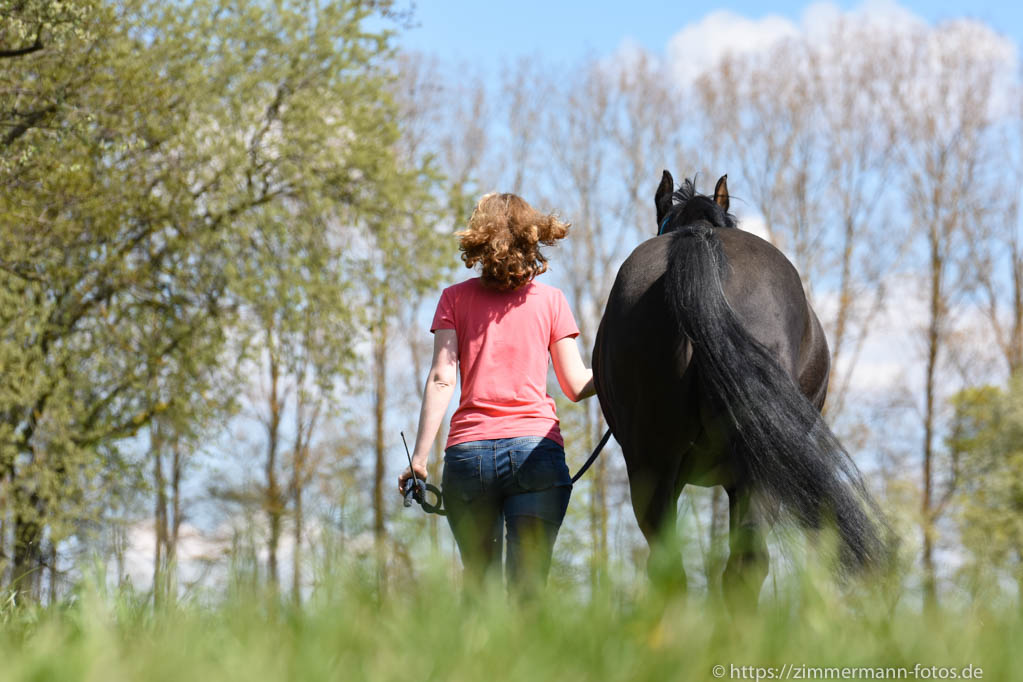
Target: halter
(664, 223)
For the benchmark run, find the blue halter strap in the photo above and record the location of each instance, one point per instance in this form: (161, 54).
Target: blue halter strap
(664, 223)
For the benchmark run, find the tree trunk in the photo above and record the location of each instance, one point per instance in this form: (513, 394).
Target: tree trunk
(599, 495)
(1019, 580)
(159, 515)
(379, 409)
(26, 557)
(28, 535)
(4, 508)
(844, 302)
(298, 480)
(274, 508)
(1016, 342)
(934, 338)
(591, 429)
(53, 573)
(37, 575)
(296, 556)
(120, 541)
(177, 464)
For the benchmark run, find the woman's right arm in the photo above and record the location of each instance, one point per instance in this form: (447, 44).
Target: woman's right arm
(440, 386)
(575, 379)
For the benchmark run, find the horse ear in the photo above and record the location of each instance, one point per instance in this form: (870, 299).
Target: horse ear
(662, 198)
(721, 192)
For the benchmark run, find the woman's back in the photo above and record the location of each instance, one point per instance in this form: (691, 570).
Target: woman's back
(503, 342)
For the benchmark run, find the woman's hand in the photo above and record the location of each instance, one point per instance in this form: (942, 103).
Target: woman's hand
(419, 466)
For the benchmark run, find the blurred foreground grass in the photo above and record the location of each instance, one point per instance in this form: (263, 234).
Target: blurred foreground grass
(422, 629)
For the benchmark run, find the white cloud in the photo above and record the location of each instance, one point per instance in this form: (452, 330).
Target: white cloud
(697, 47)
(820, 19)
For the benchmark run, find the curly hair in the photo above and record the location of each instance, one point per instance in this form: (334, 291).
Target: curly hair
(504, 237)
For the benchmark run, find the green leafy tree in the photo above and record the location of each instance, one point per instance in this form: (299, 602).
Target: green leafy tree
(49, 40)
(987, 437)
(177, 191)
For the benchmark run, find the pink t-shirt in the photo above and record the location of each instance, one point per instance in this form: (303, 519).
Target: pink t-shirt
(504, 339)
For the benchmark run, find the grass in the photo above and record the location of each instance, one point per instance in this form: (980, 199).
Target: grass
(425, 630)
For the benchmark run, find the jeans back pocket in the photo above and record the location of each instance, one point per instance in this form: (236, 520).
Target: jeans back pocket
(463, 477)
(544, 468)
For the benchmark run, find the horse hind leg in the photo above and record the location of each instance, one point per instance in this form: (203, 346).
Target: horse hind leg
(655, 505)
(748, 559)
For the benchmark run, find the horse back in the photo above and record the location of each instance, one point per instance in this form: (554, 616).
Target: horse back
(643, 365)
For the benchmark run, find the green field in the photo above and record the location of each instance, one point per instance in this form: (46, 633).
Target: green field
(422, 629)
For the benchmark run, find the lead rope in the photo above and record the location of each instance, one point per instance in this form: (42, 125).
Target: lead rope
(593, 457)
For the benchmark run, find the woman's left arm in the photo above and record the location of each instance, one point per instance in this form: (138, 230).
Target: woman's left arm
(575, 379)
(440, 386)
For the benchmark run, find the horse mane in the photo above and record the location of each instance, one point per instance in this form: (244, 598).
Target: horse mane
(685, 192)
(689, 207)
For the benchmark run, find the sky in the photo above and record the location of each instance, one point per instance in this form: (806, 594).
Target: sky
(488, 33)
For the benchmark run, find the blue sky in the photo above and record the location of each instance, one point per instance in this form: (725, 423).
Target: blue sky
(491, 32)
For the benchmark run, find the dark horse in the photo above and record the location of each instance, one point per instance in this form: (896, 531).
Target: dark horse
(711, 368)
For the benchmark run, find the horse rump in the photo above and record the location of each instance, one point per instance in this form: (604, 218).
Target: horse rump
(783, 447)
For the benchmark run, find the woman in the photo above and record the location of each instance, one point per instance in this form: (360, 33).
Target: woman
(504, 463)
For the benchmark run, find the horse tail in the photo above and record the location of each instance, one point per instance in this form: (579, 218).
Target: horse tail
(784, 447)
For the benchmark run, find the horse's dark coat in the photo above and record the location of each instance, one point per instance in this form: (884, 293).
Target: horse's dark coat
(742, 410)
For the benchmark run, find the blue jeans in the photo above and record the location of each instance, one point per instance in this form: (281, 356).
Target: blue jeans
(522, 482)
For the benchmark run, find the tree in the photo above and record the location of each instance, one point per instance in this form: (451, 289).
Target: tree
(849, 75)
(944, 124)
(405, 259)
(997, 247)
(801, 122)
(196, 132)
(48, 40)
(577, 136)
(987, 433)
